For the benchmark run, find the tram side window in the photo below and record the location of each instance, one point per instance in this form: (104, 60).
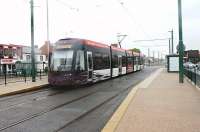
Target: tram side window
(80, 63)
(115, 61)
(101, 61)
(90, 61)
(135, 60)
(97, 61)
(1, 52)
(106, 61)
(123, 61)
(139, 61)
(130, 61)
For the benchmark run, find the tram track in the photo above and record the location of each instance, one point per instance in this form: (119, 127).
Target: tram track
(45, 111)
(70, 102)
(73, 104)
(11, 101)
(95, 108)
(5, 98)
(58, 106)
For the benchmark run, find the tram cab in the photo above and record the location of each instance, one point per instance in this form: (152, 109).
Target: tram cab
(70, 64)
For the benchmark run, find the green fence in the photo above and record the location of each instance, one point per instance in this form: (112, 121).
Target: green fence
(21, 72)
(193, 74)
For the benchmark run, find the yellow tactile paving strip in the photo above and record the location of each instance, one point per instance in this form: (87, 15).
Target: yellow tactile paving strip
(115, 119)
(20, 87)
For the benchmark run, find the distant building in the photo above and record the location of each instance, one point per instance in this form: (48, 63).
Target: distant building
(192, 56)
(44, 49)
(40, 59)
(10, 54)
(26, 55)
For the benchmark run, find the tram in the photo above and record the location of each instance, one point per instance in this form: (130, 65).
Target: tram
(77, 61)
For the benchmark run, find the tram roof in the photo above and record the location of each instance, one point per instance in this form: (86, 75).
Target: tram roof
(88, 42)
(98, 44)
(118, 49)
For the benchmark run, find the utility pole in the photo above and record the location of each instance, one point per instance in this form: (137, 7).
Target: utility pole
(169, 47)
(149, 60)
(120, 40)
(172, 38)
(172, 33)
(32, 42)
(148, 53)
(47, 10)
(180, 49)
(153, 56)
(149, 57)
(48, 42)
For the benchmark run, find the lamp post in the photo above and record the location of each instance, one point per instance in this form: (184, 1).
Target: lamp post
(180, 49)
(32, 42)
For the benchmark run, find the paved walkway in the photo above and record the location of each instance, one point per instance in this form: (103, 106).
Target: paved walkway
(19, 87)
(163, 105)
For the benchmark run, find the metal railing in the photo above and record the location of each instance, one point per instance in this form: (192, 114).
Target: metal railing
(193, 74)
(21, 72)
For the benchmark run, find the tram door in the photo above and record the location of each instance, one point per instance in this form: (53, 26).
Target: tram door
(89, 65)
(120, 64)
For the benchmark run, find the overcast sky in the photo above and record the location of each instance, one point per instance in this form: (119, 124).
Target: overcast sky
(101, 20)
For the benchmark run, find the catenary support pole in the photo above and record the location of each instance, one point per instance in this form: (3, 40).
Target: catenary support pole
(169, 47)
(32, 42)
(180, 49)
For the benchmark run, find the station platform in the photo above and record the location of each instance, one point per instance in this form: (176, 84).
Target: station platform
(20, 87)
(158, 104)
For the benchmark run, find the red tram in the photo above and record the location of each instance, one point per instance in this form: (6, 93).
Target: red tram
(80, 61)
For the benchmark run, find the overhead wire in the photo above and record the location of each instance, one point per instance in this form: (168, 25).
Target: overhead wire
(140, 27)
(154, 45)
(67, 5)
(159, 39)
(132, 16)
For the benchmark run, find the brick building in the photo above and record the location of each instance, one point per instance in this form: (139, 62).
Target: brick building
(11, 53)
(192, 56)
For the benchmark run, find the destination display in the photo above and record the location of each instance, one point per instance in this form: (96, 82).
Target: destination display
(66, 46)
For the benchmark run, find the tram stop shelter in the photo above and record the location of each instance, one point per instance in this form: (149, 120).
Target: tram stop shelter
(173, 63)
